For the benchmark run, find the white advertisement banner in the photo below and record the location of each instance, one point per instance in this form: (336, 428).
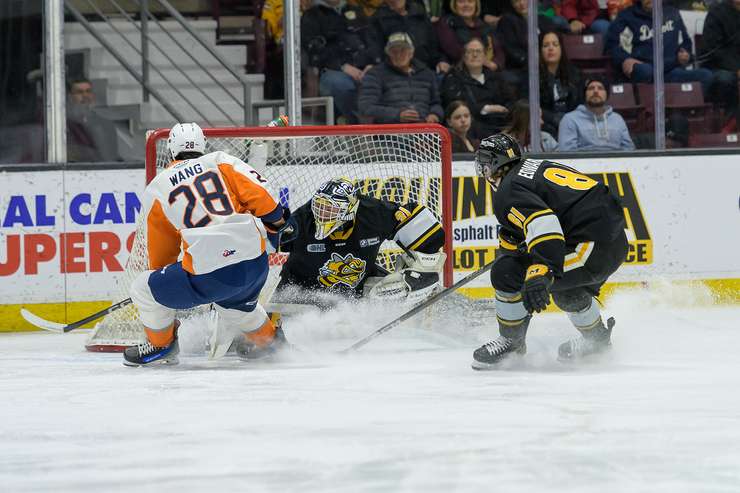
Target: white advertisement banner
(65, 236)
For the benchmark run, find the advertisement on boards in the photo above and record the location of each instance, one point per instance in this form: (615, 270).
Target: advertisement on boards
(66, 236)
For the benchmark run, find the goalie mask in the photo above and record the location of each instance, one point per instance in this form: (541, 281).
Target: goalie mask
(334, 204)
(186, 137)
(495, 155)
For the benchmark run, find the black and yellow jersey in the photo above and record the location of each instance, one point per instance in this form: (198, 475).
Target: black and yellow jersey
(344, 260)
(548, 205)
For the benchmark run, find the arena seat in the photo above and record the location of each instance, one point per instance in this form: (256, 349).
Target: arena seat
(622, 99)
(586, 51)
(714, 140)
(686, 97)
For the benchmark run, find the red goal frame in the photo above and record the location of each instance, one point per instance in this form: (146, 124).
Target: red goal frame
(339, 130)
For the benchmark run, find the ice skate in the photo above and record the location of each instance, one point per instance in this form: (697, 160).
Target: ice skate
(248, 350)
(149, 355)
(489, 355)
(254, 346)
(593, 341)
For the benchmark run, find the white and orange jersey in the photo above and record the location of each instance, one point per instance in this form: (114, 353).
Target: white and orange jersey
(206, 209)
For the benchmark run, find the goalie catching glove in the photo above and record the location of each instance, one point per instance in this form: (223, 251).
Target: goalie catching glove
(416, 277)
(536, 289)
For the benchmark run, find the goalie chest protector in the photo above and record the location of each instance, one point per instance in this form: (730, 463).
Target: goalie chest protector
(345, 259)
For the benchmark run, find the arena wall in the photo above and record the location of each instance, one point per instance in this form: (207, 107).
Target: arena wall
(65, 234)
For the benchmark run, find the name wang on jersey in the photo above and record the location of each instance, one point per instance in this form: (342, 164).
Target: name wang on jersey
(183, 174)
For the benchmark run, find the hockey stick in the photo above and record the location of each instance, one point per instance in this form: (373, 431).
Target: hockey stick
(62, 328)
(421, 306)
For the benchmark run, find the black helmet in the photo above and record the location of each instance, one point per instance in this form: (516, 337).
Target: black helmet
(494, 152)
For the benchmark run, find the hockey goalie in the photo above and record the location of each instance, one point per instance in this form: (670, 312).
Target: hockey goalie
(335, 242)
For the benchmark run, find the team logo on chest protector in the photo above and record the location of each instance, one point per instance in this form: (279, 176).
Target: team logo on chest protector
(348, 270)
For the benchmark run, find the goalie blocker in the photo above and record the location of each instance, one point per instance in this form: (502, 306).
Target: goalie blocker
(338, 236)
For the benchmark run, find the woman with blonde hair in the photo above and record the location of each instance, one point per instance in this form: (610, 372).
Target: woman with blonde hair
(456, 29)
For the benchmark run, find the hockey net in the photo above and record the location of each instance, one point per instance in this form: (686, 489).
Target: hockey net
(399, 163)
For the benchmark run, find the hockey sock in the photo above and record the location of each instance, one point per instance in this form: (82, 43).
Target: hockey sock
(162, 337)
(513, 318)
(587, 319)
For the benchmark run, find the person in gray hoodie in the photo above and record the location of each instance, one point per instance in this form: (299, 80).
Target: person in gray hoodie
(594, 126)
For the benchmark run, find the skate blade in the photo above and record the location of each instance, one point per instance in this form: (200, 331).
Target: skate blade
(502, 364)
(159, 362)
(587, 358)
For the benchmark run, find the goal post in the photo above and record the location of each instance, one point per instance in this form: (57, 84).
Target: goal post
(400, 163)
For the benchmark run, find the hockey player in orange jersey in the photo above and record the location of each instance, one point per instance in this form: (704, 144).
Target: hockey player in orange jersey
(207, 219)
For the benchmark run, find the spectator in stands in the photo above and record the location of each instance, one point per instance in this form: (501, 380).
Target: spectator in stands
(456, 29)
(411, 18)
(366, 8)
(722, 51)
(512, 32)
(336, 44)
(272, 14)
(560, 82)
(519, 129)
(630, 44)
(614, 7)
(594, 126)
(459, 122)
(549, 10)
(486, 93)
(401, 89)
(90, 138)
(584, 16)
(493, 10)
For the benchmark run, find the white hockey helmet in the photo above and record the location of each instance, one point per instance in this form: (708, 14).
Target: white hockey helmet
(186, 137)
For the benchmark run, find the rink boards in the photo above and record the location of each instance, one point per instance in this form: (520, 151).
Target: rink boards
(65, 235)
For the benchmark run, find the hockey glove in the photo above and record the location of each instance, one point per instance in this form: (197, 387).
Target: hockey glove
(536, 290)
(276, 234)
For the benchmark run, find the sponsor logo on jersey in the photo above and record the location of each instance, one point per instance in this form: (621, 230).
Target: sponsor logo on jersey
(228, 253)
(339, 270)
(366, 242)
(316, 247)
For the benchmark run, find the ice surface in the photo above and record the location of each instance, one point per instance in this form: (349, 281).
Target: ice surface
(660, 413)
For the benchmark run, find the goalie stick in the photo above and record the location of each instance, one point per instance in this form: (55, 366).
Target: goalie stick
(421, 306)
(62, 328)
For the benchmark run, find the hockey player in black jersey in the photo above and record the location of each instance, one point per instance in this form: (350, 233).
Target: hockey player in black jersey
(338, 236)
(561, 234)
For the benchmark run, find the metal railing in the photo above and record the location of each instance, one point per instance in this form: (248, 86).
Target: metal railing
(143, 77)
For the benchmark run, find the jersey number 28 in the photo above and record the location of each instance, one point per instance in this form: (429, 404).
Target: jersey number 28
(208, 199)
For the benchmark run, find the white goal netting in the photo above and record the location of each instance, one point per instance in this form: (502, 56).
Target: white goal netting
(399, 163)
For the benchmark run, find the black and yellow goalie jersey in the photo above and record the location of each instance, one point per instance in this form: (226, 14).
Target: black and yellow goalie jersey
(548, 205)
(343, 261)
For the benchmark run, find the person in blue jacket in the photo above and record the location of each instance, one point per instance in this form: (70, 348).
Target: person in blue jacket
(629, 42)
